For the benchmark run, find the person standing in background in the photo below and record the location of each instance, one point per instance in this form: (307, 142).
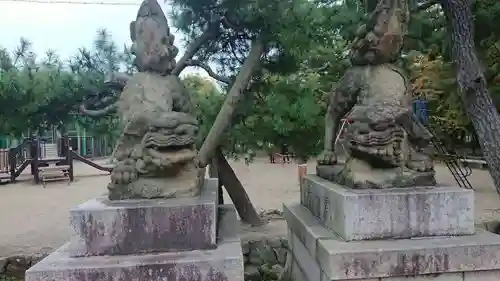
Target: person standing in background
(284, 152)
(420, 110)
(270, 152)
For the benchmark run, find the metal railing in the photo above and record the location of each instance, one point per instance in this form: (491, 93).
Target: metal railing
(452, 160)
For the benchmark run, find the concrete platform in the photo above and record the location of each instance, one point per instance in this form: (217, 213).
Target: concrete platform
(225, 263)
(319, 252)
(104, 227)
(366, 214)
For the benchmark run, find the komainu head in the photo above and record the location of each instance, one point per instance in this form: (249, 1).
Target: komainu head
(153, 44)
(381, 39)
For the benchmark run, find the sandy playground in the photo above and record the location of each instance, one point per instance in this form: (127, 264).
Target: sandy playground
(35, 220)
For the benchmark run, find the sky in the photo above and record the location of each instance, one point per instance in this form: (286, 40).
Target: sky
(65, 27)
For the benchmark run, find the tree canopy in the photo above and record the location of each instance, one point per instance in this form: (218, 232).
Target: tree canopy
(304, 56)
(38, 93)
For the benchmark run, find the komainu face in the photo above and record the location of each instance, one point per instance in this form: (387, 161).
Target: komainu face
(153, 44)
(374, 134)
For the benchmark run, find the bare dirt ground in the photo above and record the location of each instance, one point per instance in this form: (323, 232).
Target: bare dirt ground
(35, 220)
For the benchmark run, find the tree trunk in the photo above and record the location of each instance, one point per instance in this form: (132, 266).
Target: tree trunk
(236, 191)
(472, 83)
(232, 100)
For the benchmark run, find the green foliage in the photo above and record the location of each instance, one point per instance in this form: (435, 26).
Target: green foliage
(305, 56)
(434, 81)
(284, 104)
(5, 278)
(207, 100)
(291, 113)
(38, 93)
(34, 93)
(291, 109)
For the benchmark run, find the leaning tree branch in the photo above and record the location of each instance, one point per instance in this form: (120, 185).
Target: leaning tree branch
(98, 113)
(209, 70)
(210, 33)
(236, 191)
(229, 23)
(223, 119)
(424, 6)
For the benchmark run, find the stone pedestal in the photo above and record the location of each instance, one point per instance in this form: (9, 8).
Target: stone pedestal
(403, 234)
(164, 239)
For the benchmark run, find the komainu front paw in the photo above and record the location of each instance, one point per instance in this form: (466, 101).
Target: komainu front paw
(327, 157)
(124, 172)
(420, 162)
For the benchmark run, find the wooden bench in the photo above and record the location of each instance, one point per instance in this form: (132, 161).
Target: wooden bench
(284, 158)
(52, 159)
(475, 163)
(54, 173)
(4, 177)
(471, 162)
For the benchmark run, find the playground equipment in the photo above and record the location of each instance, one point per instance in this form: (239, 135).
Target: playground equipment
(4, 166)
(47, 163)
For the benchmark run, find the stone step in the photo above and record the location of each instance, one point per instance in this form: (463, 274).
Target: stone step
(104, 227)
(225, 263)
(322, 255)
(53, 168)
(366, 214)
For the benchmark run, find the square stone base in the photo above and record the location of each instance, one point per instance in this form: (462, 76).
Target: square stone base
(321, 255)
(105, 227)
(365, 214)
(225, 263)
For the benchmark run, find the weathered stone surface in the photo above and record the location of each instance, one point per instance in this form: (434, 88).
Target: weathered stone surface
(458, 276)
(341, 260)
(386, 144)
(357, 174)
(223, 263)
(297, 273)
(489, 275)
(105, 227)
(307, 264)
(3, 264)
(381, 39)
(264, 258)
(304, 226)
(153, 43)
(325, 278)
(228, 224)
(158, 139)
(364, 279)
(389, 213)
(261, 252)
(388, 258)
(159, 130)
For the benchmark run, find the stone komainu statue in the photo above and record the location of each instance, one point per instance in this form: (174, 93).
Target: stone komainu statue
(385, 142)
(156, 151)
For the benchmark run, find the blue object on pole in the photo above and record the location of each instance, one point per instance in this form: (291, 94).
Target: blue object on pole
(420, 110)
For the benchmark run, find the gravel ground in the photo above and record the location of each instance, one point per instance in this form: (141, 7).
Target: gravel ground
(34, 220)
